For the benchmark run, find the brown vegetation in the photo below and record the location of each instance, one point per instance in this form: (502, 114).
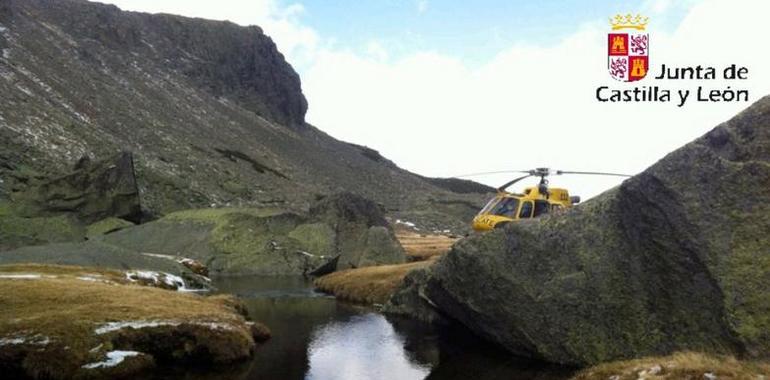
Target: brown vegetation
(375, 285)
(56, 320)
(370, 285)
(681, 365)
(424, 246)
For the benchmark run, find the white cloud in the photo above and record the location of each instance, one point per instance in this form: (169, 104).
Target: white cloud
(534, 105)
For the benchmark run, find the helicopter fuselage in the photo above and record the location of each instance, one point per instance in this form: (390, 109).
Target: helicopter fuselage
(507, 207)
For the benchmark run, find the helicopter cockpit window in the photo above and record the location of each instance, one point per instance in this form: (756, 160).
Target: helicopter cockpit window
(526, 210)
(506, 207)
(489, 206)
(541, 207)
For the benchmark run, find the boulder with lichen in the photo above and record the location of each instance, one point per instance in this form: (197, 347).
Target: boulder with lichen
(675, 258)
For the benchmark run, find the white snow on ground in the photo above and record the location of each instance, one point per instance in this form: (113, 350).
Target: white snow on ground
(9, 341)
(157, 278)
(94, 278)
(21, 276)
(3, 29)
(407, 223)
(115, 326)
(216, 325)
(39, 340)
(113, 358)
(160, 256)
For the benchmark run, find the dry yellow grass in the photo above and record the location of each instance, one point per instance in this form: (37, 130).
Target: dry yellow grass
(375, 285)
(680, 365)
(423, 246)
(370, 285)
(52, 313)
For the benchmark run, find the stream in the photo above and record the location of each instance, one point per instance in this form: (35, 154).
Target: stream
(316, 337)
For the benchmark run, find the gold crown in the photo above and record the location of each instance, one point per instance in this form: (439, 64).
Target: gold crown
(629, 21)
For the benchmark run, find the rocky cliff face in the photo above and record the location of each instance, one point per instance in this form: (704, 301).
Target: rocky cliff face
(676, 258)
(211, 111)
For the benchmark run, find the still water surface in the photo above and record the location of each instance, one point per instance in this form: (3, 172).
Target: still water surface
(316, 337)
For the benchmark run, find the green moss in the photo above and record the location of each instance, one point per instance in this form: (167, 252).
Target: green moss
(218, 215)
(235, 188)
(317, 238)
(16, 231)
(106, 226)
(747, 282)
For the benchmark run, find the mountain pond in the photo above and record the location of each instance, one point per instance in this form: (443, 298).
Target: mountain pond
(316, 337)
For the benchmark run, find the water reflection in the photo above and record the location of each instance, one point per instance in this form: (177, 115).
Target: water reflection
(365, 347)
(316, 337)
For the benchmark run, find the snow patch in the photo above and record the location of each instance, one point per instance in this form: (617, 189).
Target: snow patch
(9, 341)
(157, 278)
(38, 340)
(407, 223)
(113, 358)
(21, 276)
(94, 278)
(140, 324)
(3, 29)
(115, 326)
(216, 325)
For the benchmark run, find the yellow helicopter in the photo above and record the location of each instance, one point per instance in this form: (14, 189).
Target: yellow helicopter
(535, 201)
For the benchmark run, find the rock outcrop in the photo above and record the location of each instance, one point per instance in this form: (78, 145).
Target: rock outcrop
(91, 192)
(675, 258)
(211, 110)
(41, 208)
(363, 236)
(340, 231)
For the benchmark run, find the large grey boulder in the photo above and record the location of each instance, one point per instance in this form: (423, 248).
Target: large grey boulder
(92, 191)
(363, 236)
(340, 231)
(675, 258)
(42, 208)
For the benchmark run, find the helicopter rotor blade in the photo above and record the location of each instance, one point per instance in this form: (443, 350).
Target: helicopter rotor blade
(488, 173)
(559, 172)
(511, 182)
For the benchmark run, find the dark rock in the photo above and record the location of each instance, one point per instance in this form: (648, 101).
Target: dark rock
(92, 192)
(410, 300)
(260, 332)
(363, 236)
(676, 258)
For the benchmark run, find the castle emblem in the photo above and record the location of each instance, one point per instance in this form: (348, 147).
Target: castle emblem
(628, 51)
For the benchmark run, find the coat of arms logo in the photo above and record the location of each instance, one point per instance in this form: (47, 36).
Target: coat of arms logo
(628, 52)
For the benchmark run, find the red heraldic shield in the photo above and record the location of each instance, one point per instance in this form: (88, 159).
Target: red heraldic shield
(628, 55)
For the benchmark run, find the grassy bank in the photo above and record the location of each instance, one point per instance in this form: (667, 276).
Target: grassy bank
(375, 285)
(63, 322)
(420, 246)
(370, 285)
(681, 365)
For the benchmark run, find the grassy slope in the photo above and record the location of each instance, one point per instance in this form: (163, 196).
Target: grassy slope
(64, 310)
(681, 365)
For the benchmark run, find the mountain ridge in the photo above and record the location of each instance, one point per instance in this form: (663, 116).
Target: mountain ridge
(211, 110)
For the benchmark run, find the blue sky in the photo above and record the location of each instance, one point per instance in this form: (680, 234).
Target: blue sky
(476, 31)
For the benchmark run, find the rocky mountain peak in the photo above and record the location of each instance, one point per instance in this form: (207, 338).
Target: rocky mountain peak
(219, 57)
